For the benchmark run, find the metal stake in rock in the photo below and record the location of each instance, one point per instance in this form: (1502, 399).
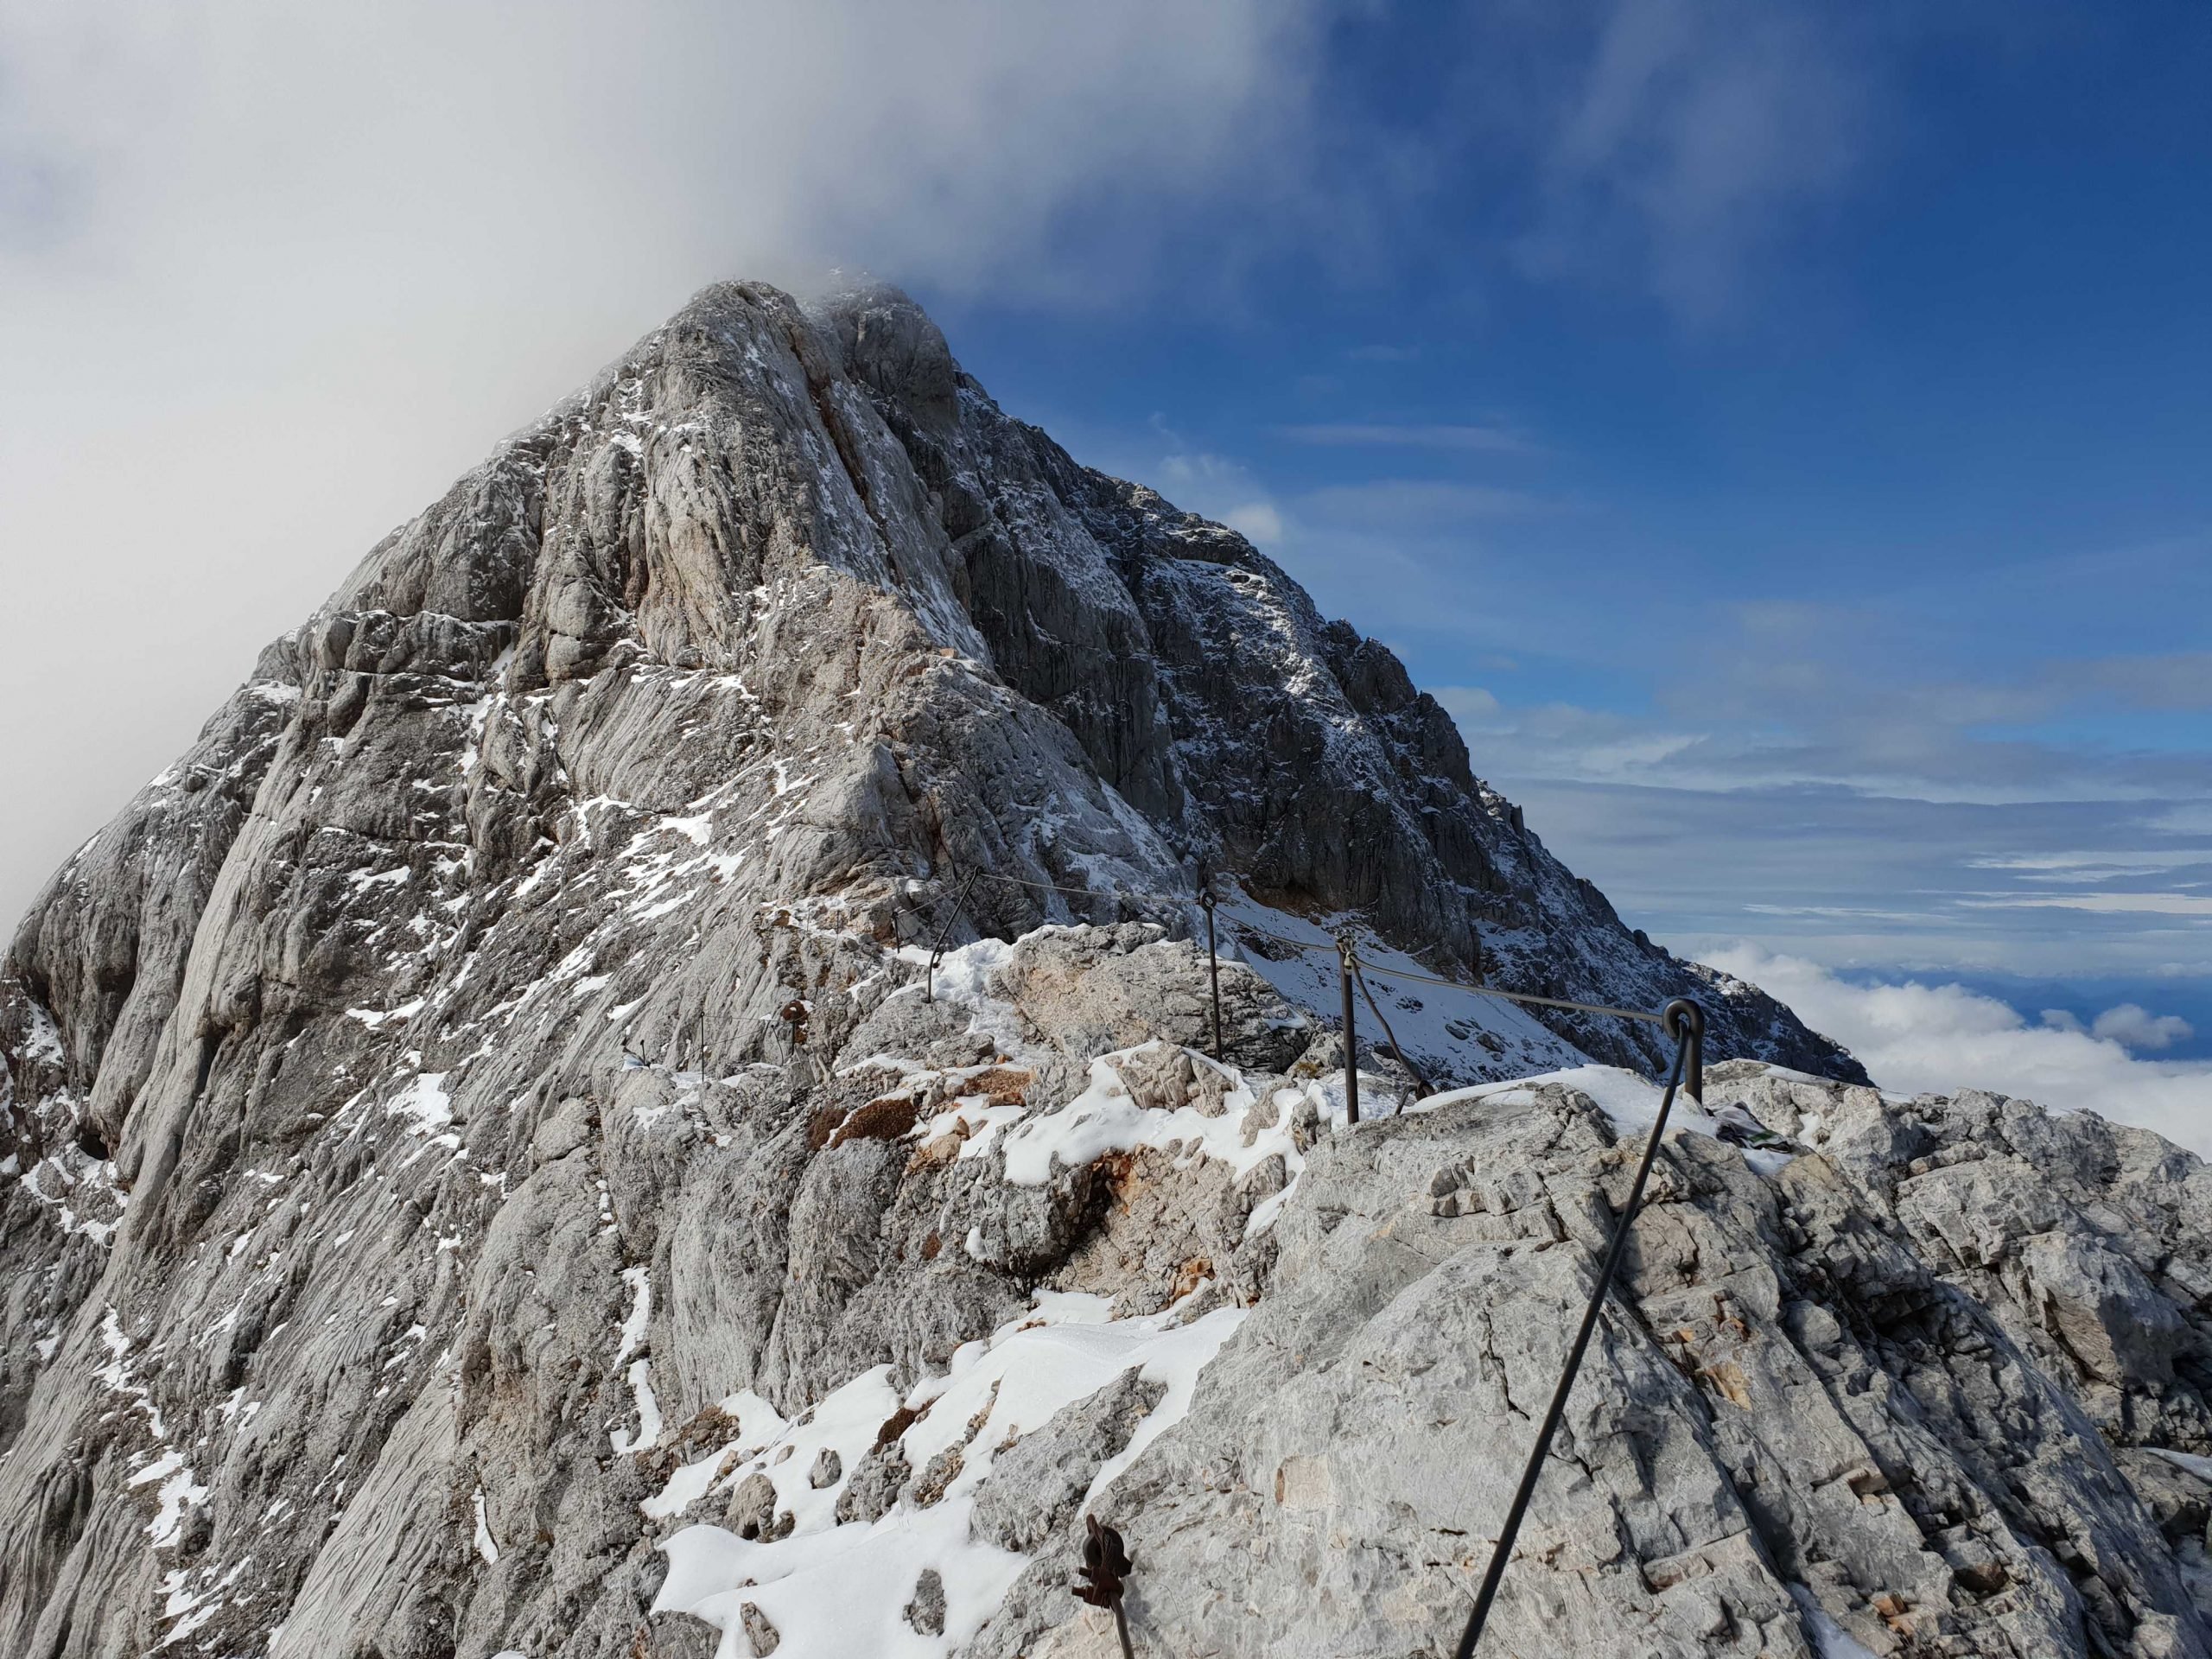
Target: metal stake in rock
(1213, 966)
(937, 950)
(1345, 962)
(1105, 1570)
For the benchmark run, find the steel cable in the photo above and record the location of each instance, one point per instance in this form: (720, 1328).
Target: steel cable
(1137, 893)
(1396, 1048)
(1325, 947)
(1523, 997)
(1685, 1021)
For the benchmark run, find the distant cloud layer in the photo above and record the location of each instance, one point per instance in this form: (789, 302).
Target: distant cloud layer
(1917, 1038)
(1866, 794)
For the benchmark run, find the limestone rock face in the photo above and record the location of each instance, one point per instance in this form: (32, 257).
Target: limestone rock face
(1798, 1402)
(661, 1043)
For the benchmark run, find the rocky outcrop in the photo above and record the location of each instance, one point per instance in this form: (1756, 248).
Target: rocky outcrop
(487, 1154)
(1798, 1402)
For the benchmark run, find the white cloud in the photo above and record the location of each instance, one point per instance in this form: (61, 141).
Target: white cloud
(1696, 125)
(2085, 866)
(1416, 504)
(2129, 1024)
(2135, 1026)
(1213, 486)
(276, 275)
(1258, 522)
(1920, 1038)
(945, 135)
(1468, 704)
(2148, 904)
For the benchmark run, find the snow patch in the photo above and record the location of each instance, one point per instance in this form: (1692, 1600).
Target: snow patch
(641, 1311)
(424, 1103)
(1830, 1640)
(1456, 1033)
(2188, 1462)
(834, 1589)
(1103, 1119)
(485, 1545)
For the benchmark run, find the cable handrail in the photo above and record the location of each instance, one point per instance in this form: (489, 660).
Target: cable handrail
(1396, 1047)
(1646, 1016)
(1684, 1021)
(1316, 946)
(1140, 893)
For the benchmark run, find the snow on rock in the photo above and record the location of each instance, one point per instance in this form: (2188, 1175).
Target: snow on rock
(423, 1102)
(485, 1546)
(1631, 1103)
(1105, 1118)
(2189, 1462)
(1829, 1639)
(635, 1322)
(1450, 1034)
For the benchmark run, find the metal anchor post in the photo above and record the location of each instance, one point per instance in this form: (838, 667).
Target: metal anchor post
(1213, 966)
(1346, 961)
(945, 932)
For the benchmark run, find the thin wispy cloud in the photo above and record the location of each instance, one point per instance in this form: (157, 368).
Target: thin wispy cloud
(1411, 504)
(1461, 438)
(2145, 904)
(1694, 128)
(2176, 681)
(2082, 867)
(1213, 485)
(1685, 829)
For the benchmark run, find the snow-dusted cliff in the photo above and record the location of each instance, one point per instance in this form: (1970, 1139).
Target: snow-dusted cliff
(479, 1174)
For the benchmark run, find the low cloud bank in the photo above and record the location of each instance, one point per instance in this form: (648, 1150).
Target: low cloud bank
(1916, 1037)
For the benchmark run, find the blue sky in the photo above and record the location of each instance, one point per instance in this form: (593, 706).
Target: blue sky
(1776, 431)
(1825, 555)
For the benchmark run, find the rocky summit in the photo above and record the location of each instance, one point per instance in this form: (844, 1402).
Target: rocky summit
(649, 1087)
